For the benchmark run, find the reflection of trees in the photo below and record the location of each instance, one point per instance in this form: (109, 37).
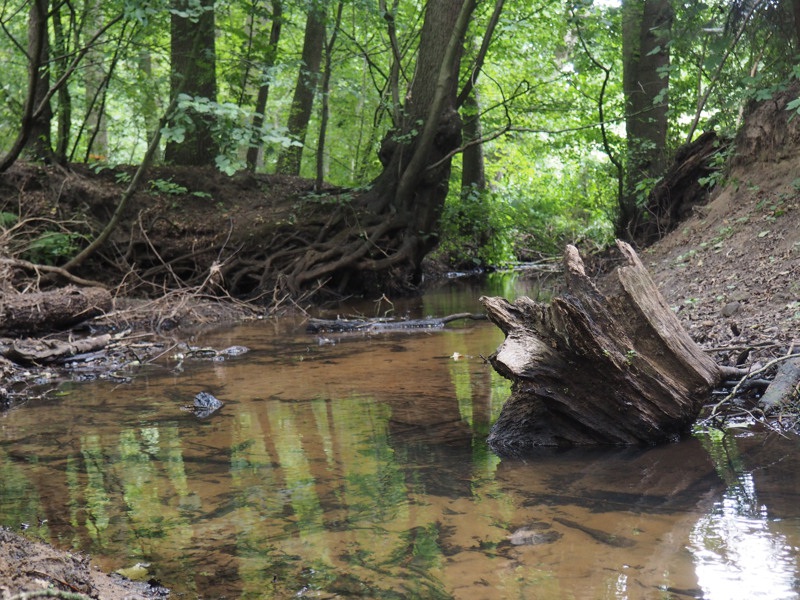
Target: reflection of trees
(388, 492)
(321, 493)
(21, 503)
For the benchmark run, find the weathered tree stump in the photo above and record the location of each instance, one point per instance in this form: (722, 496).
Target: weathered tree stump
(589, 368)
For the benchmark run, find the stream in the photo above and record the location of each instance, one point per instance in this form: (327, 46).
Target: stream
(356, 466)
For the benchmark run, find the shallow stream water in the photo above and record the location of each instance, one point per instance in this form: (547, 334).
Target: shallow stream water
(356, 467)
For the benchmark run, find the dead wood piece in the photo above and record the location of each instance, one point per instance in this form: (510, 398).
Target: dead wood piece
(52, 309)
(384, 325)
(785, 388)
(596, 369)
(38, 351)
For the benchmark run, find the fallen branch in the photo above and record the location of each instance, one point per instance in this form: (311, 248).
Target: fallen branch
(52, 309)
(774, 399)
(784, 388)
(383, 325)
(25, 264)
(36, 351)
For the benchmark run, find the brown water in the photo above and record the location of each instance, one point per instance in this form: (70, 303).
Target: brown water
(359, 469)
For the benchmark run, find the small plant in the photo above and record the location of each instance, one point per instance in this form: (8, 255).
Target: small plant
(7, 219)
(52, 246)
(167, 186)
(717, 167)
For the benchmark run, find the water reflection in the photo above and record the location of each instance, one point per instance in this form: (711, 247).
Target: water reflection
(740, 550)
(359, 468)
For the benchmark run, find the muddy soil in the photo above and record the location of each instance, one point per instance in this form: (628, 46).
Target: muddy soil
(29, 567)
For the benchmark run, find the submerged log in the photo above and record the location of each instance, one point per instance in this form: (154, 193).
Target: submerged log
(384, 325)
(593, 368)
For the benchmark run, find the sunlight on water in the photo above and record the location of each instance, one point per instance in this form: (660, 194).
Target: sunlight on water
(738, 552)
(356, 466)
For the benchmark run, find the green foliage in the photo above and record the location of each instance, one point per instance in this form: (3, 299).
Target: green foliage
(477, 231)
(535, 213)
(717, 163)
(573, 206)
(231, 127)
(7, 219)
(551, 174)
(52, 247)
(167, 186)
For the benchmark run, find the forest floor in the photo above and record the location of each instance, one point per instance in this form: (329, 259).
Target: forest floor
(732, 270)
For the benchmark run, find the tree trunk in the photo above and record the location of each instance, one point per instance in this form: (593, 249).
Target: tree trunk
(307, 79)
(473, 174)
(96, 84)
(375, 242)
(796, 14)
(64, 105)
(148, 105)
(679, 190)
(38, 144)
(325, 89)
(645, 81)
(263, 90)
(415, 179)
(590, 368)
(193, 72)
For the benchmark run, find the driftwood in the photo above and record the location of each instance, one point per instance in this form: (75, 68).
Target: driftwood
(383, 325)
(785, 388)
(52, 309)
(597, 369)
(40, 351)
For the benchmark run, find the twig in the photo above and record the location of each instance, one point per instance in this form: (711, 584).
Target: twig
(735, 389)
(25, 264)
(50, 593)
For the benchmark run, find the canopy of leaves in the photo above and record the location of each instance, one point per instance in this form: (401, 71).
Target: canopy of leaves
(552, 72)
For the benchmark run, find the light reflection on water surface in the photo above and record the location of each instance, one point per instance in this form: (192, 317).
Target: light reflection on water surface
(359, 469)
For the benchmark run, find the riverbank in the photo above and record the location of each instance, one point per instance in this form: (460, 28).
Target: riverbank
(30, 569)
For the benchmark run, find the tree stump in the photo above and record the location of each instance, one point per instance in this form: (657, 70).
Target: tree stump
(589, 368)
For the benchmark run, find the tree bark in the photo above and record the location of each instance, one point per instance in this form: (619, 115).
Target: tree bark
(415, 179)
(193, 72)
(784, 389)
(96, 82)
(307, 80)
(590, 368)
(645, 81)
(796, 15)
(64, 104)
